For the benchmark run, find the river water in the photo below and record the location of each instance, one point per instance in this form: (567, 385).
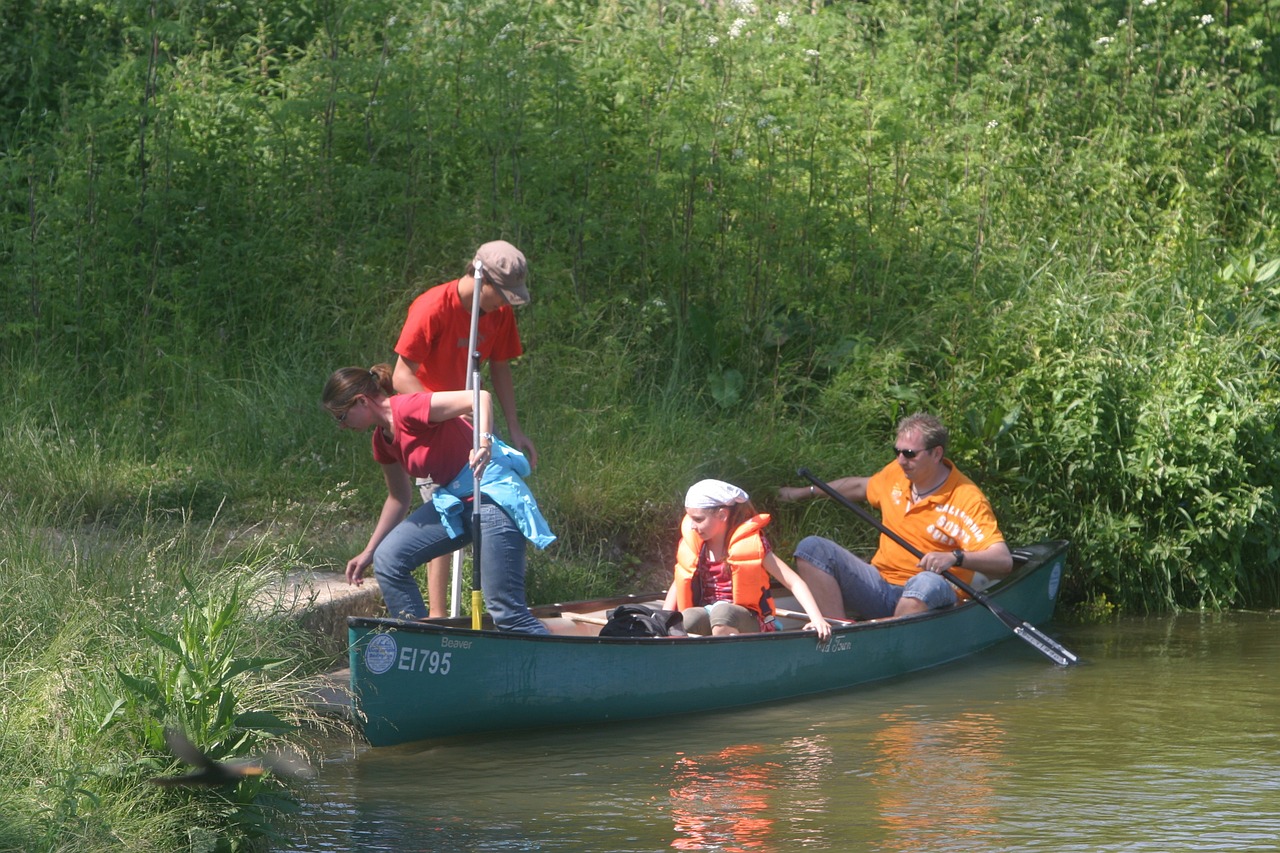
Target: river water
(1166, 739)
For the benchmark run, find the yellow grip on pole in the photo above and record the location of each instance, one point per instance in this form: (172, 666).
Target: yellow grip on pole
(477, 608)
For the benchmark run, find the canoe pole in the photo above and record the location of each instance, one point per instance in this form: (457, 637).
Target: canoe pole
(1033, 636)
(477, 595)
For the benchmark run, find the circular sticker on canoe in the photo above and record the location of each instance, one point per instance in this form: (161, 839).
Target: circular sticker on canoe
(1055, 578)
(380, 654)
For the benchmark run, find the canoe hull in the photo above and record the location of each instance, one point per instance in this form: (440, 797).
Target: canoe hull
(416, 681)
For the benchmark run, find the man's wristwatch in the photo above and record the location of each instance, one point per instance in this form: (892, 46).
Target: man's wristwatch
(959, 555)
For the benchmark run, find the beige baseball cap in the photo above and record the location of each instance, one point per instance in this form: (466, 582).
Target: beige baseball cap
(505, 268)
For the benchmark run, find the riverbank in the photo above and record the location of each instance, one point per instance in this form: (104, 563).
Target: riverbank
(318, 603)
(114, 632)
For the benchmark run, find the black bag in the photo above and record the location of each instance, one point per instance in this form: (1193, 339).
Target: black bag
(636, 620)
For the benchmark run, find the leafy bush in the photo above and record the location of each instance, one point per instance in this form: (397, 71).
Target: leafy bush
(1048, 222)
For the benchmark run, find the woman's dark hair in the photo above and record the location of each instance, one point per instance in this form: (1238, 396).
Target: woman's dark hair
(347, 383)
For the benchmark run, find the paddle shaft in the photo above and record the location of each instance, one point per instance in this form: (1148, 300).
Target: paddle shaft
(800, 614)
(1034, 637)
(477, 533)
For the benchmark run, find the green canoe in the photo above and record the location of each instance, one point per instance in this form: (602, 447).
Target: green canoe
(435, 679)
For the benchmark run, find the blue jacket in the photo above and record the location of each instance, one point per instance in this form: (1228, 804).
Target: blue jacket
(502, 483)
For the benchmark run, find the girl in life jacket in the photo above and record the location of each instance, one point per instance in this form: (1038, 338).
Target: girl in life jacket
(724, 563)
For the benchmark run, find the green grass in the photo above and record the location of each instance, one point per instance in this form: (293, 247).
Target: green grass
(110, 633)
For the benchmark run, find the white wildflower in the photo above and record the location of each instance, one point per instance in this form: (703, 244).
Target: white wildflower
(735, 29)
(765, 120)
(1105, 40)
(1122, 22)
(1148, 2)
(811, 52)
(737, 153)
(783, 20)
(1206, 20)
(744, 7)
(993, 124)
(1037, 20)
(712, 41)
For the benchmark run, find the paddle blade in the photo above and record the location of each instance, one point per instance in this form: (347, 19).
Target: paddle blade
(1048, 646)
(1045, 649)
(1029, 633)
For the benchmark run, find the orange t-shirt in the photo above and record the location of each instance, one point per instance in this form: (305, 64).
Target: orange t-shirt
(437, 332)
(957, 515)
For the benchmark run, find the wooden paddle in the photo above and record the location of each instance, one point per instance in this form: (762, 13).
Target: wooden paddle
(1042, 642)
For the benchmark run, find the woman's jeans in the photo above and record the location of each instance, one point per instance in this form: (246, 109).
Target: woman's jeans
(421, 536)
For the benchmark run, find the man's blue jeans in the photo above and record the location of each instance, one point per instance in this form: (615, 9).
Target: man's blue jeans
(422, 536)
(866, 594)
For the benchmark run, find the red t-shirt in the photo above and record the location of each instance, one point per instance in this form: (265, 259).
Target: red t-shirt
(420, 447)
(717, 579)
(438, 330)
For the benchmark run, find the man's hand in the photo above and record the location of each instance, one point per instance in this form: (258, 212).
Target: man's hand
(790, 494)
(521, 442)
(937, 561)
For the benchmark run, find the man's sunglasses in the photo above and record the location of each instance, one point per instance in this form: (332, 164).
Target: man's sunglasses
(910, 454)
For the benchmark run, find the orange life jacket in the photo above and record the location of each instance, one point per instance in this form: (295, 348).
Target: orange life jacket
(746, 563)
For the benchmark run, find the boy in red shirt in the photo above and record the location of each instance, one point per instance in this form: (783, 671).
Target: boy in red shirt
(433, 353)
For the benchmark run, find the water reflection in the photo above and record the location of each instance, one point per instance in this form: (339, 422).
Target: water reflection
(924, 766)
(1168, 739)
(721, 800)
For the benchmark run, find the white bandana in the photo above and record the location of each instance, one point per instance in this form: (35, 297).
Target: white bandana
(709, 494)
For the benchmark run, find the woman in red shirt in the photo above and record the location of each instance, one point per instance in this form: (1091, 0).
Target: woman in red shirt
(427, 435)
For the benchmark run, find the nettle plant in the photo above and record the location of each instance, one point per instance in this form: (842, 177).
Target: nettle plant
(199, 679)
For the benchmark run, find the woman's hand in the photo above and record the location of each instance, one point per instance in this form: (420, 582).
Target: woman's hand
(823, 628)
(479, 459)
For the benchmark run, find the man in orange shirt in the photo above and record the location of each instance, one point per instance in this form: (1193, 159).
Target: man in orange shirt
(434, 345)
(925, 499)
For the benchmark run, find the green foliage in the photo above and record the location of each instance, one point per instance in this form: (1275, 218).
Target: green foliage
(104, 640)
(1136, 456)
(757, 210)
(191, 682)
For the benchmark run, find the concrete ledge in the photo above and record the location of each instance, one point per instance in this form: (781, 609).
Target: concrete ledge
(332, 695)
(320, 603)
